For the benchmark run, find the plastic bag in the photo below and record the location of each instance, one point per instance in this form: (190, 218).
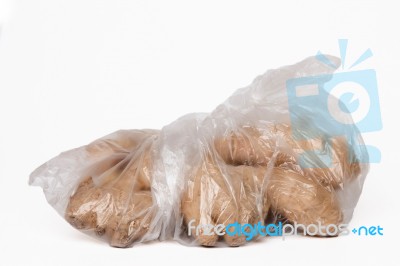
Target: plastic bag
(259, 161)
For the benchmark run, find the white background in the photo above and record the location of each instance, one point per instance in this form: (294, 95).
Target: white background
(72, 71)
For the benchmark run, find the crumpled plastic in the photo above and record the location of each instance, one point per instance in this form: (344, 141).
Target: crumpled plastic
(250, 161)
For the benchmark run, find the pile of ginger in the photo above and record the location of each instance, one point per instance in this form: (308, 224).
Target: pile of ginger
(243, 177)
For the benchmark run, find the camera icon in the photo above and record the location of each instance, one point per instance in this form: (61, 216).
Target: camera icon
(336, 105)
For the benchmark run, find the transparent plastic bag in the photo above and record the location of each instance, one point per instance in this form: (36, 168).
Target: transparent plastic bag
(209, 179)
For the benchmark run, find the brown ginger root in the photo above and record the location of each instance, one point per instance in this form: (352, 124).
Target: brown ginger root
(244, 147)
(117, 202)
(205, 200)
(132, 222)
(343, 166)
(256, 146)
(250, 187)
(119, 205)
(302, 200)
(223, 196)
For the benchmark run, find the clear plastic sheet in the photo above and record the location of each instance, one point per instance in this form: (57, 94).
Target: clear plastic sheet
(251, 161)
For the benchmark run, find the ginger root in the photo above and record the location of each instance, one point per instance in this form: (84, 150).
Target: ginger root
(242, 177)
